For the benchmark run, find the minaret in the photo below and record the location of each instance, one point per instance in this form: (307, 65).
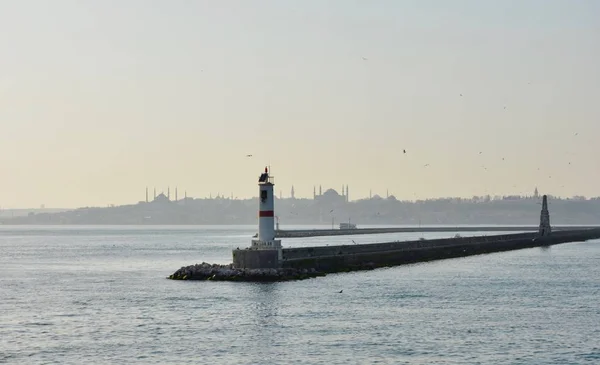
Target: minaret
(545, 228)
(293, 193)
(342, 190)
(320, 191)
(370, 194)
(176, 193)
(314, 192)
(169, 192)
(146, 194)
(347, 195)
(154, 193)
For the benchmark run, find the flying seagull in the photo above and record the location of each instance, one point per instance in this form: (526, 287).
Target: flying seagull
(404, 151)
(248, 155)
(364, 58)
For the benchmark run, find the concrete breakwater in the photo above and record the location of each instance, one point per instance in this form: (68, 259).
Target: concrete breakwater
(307, 262)
(331, 259)
(298, 233)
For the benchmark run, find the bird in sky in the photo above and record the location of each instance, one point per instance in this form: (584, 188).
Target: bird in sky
(365, 58)
(248, 155)
(426, 165)
(404, 151)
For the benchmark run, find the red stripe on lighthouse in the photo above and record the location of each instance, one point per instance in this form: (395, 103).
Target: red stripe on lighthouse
(265, 213)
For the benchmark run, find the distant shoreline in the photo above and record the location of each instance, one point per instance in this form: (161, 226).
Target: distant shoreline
(327, 211)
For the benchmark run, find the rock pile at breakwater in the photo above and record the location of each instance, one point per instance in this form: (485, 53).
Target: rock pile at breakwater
(216, 272)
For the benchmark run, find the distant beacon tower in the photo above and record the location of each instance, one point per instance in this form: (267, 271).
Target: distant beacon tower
(266, 215)
(545, 228)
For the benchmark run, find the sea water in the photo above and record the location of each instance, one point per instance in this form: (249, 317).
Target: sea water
(99, 295)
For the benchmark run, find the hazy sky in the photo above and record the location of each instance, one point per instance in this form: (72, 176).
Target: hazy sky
(99, 99)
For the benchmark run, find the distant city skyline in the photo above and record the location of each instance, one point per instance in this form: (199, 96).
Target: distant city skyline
(424, 98)
(328, 207)
(318, 190)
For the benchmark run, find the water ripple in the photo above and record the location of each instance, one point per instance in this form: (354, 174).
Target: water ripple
(93, 296)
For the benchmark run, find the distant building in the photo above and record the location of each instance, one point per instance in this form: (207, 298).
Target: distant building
(330, 196)
(161, 198)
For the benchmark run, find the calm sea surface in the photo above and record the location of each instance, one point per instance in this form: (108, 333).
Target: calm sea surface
(99, 295)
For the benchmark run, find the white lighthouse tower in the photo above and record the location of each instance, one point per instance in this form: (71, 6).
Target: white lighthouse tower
(265, 251)
(266, 215)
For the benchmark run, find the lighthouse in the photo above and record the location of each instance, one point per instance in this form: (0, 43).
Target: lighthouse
(265, 251)
(266, 215)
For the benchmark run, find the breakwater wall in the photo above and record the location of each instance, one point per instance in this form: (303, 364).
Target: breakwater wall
(307, 262)
(330, 259)
(296, 233)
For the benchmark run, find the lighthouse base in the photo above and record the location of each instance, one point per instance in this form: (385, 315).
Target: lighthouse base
(252, 258)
